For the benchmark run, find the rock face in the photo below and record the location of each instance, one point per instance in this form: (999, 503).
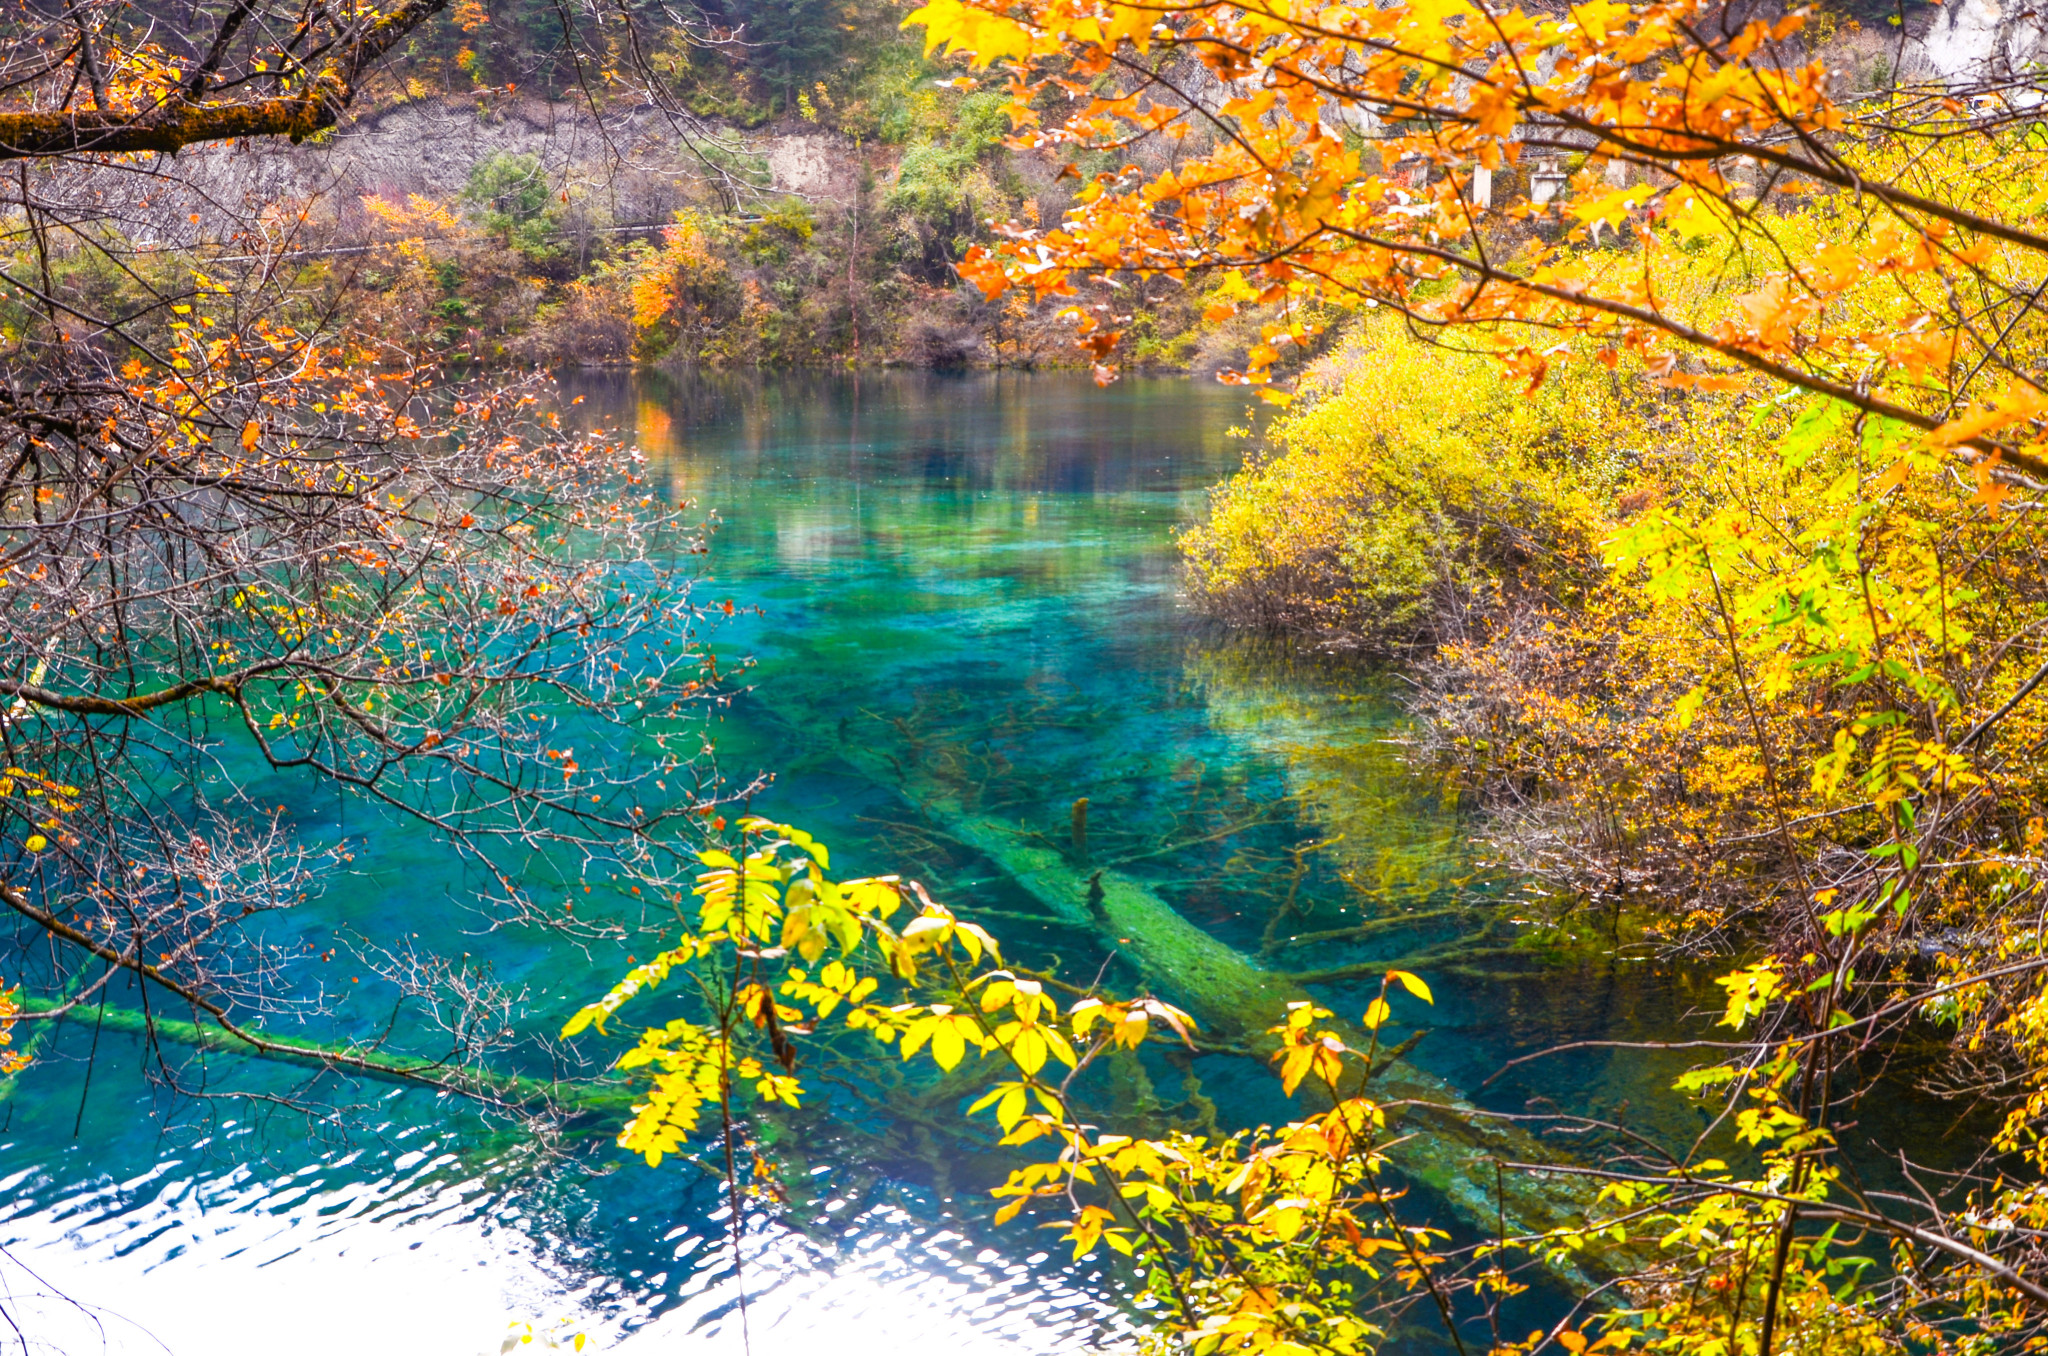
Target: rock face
(1968, 43)
(635, 166)
(814, 165)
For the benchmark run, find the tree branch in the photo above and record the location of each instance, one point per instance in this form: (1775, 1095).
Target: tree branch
(171, 127)
(85, 704)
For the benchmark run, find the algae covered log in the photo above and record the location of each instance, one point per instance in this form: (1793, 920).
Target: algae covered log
(609, 1097)
(1235, 999)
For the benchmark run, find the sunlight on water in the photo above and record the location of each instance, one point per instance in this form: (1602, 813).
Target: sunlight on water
(243, 1262)
(894, 1286)
(417, 1260)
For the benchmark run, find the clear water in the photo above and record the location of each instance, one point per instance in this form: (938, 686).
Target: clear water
(964, 585)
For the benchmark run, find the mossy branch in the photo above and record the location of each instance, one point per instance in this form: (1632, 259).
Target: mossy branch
(183, 121)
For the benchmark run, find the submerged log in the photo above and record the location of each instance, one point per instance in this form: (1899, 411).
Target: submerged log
(602, 1097)
(1456, 1152)
(39, 1033)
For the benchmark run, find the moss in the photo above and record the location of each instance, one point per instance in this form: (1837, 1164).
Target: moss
(611, 1098)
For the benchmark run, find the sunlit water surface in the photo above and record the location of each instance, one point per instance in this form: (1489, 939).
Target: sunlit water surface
(971, 577)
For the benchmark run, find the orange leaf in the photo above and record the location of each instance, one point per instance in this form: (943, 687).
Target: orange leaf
(1990, 493)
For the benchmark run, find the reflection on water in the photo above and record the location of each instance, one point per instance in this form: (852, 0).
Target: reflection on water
(966, 594)
(195, 1255)
(412, 1260)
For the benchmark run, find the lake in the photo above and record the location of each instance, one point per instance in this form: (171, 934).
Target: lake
(955, 591)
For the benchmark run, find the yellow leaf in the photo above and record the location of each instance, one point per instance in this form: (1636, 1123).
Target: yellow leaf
(947, 1045)
(966, 29)
(36, 842)
(1749, 991)
(1296, 1067)
(1612, 208)
(1029, 1050)
(1413, 984)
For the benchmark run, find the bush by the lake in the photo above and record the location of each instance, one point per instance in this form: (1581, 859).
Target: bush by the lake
(1412, 489)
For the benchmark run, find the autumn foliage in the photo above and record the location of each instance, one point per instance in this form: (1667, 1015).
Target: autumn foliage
(1761, 663)
(1329, 154)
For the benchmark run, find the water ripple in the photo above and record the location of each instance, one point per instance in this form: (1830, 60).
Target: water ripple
(434, 1261)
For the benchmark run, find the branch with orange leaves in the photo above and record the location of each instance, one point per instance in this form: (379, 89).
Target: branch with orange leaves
(1485, 271)
(1958, 434)
(1454, 86)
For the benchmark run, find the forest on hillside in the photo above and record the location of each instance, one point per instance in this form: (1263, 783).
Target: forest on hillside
(784, 185)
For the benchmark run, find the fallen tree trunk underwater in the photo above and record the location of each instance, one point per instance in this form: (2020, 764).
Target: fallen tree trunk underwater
(578, 1098)
(1453, 1151)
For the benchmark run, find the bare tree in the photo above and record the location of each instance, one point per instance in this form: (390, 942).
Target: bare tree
(234, 534)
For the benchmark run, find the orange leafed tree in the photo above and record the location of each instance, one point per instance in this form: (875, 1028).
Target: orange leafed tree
(1344, 153)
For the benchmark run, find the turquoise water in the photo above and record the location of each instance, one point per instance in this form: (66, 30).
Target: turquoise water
(957, 590)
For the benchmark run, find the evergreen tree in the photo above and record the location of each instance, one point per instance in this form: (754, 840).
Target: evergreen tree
(790, 42)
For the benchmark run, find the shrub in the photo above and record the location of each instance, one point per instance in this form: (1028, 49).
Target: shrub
(591, 325)
(1414, 488)
(782, 227)
(508, 195)
(685, 297)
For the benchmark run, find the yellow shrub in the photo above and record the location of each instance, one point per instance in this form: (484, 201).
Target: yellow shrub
(1659, 623)
(1412, 486)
